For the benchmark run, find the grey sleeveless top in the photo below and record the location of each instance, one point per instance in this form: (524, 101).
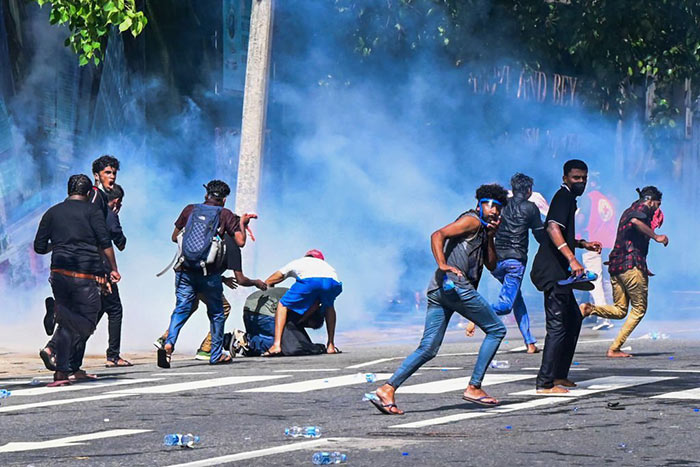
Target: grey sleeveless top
(466, 253)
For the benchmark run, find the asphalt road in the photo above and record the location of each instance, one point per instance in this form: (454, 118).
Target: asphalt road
(240, 411)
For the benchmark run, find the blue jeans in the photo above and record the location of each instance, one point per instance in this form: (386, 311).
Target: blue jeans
(510, 273)
(187, 285)
(441, 306)
(260, 330)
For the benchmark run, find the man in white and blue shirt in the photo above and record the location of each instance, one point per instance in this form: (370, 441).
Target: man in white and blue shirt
(309, 300)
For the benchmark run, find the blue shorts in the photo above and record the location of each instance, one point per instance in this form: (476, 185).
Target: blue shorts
(305, 292)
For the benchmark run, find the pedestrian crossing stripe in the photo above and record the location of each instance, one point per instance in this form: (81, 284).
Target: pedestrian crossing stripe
(459, 384)
(316, 384)
(587, 387)
(197, 384)
(693, 394)
(104, 383)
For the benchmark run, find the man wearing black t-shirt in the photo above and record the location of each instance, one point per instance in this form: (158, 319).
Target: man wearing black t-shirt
(75, 232)
(552, 262)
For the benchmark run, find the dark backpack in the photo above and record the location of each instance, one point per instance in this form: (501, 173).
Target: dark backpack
(200, 234)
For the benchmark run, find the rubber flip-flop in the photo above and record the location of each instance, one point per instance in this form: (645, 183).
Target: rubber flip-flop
(585, 277)
(82, 377)
(49, 359)
(480, 401)
(270, 355)
(384, 408)
(49, 317)
(224, 360)
(163, 359)
(59, 383)
(116, 363)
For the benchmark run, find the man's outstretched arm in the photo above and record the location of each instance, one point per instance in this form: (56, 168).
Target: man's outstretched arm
(463, 226)
(649, 232)
(274, 279)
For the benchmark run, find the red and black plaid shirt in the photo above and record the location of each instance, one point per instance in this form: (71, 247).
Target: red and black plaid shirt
(631, 245)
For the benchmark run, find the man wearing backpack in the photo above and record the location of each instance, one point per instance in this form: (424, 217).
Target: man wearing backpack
(195, 273)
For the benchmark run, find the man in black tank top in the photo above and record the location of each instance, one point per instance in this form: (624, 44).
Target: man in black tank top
(461, 249)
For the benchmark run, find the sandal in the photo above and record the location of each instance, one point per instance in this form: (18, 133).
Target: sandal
(117, 362)
(481, 401)
(81, 375)
(385, 408)
(223, 360)
(49, 358)
(268, 354)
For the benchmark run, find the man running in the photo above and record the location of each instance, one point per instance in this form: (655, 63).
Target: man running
(461, 249)
(554, 258)
(75, 232)
(628, 267)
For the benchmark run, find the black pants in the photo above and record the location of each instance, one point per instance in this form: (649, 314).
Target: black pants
(563, 327)
(112, 307)
(77, 307)
(295, 340)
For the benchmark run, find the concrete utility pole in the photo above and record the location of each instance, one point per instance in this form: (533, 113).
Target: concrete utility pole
(254, 106)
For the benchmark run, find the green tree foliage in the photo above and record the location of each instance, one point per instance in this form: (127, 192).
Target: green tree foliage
(617, 47)
(89, 21)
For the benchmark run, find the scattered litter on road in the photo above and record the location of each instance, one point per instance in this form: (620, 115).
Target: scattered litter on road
(622, 446)
(106, 419)
(184, 441)
(326, 458)
(502, 364)
(303, 432)
(627, 349)
(35, 382)
(575, 363)
(614, 406)
(575, 409)
(370, 396)
(696, 409)
(4, 393)
(506, 342)
(670, 358)
(404, 453)
(247, 438)
(508, 427)
(370, 377)
(443, 369)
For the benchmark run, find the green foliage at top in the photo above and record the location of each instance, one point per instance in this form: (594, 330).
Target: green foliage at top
(89, 21)
(617, 47)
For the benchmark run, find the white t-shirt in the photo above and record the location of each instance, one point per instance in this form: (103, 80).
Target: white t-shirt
(308, 266)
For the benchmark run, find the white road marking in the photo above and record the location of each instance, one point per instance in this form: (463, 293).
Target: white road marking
(67, 442)
(373, 362)
(315, 384)
(191, 373)
(594, 385)
(442, 368)
(481, 413)
(687, 394)
(518, 349)
(241, 456)
(675, 371)
(33, 405)
(307, 370)
(199, 384)
(458, 384)
(79, 386)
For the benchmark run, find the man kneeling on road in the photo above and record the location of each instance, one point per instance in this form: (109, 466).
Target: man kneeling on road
(314, 292)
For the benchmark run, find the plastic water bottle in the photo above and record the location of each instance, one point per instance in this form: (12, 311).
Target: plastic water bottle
(185, 441)
(370, 396)
(4, 393)
(447, 284)
(35, 382)
(370, 377)
(501, 364)
(303, 432)
(326, 458)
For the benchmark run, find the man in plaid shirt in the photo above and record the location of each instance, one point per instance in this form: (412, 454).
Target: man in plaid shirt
(629, 274)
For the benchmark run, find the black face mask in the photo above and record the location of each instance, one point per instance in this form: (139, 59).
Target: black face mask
(578, 188)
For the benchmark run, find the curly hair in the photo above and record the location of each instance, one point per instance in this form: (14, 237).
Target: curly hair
(117, 192)
(79, 184)
(521, 183)
(103, 162)
(492, 191)
(217, 189)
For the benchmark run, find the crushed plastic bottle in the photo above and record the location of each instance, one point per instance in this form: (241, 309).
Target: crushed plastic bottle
(370, 377)
(303, 432)
(622, 446)
(326, 458)
(35, 382)
(4, 393)
(370, 396)
(184, 441)
(501, 364)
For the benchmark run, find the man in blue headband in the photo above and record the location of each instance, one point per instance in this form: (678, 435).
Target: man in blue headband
(461, 249)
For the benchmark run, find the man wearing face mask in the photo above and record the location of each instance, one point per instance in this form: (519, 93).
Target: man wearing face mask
(554, 258)
(461, 249)
(628, 267)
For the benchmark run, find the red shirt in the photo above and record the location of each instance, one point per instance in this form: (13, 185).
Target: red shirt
(228, 222)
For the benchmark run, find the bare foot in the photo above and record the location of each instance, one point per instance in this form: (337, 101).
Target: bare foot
(532, 348)
(567, 383)
(386, 396)
(273, 351)
(168, 348)
(469, 330)
(586, 309)
(617, 354)
(553, 390)
(472, 392)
